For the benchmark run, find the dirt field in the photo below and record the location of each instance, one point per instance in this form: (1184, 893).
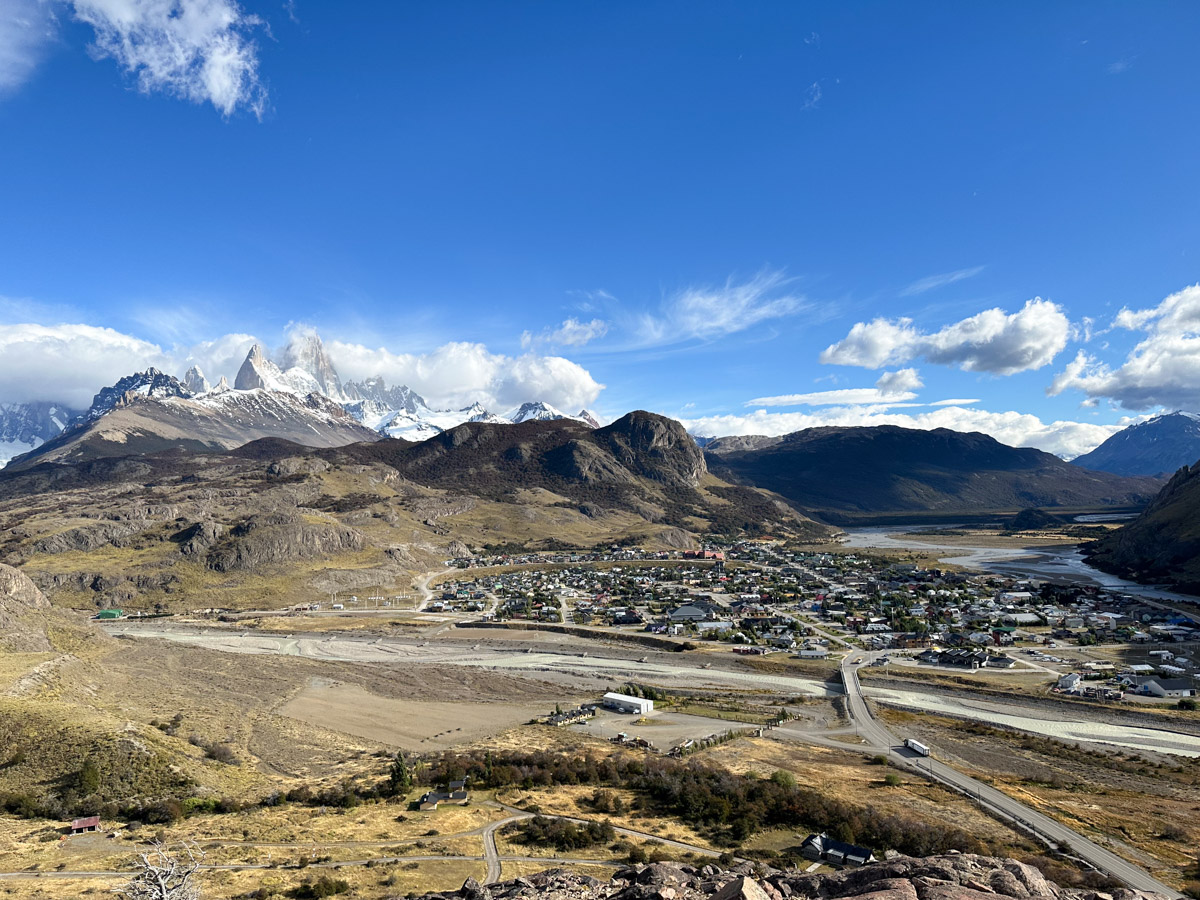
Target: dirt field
(662, 729)
(411, 724)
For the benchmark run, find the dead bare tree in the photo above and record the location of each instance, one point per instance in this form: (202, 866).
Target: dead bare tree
(163, 874)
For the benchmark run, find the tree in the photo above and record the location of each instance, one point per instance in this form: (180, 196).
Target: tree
(399, 777)
(165, 875)
(88, 779)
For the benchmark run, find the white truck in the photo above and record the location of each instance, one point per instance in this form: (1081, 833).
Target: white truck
(916, 746)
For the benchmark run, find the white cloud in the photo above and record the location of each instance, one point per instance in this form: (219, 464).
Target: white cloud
(69, 363)
(26, 26)
(705, 313)
(1163, 369)
(930, 282)
(199, 50)
(812, 97)
(1064, 438)
(991, 341)
(956, 401)
(458, 374)
(843, 397)
(571, 333)
(900, 381)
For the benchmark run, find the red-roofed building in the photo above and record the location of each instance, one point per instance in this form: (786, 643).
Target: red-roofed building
(82, 826)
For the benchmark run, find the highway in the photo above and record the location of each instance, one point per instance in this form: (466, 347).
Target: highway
(996, 802)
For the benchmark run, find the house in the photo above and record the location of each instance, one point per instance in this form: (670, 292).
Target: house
(1070, 682)
(823, 847)
(456, 792)
(690, 613)
(82, 826)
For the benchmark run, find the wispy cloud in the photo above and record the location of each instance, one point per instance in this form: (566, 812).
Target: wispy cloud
(712, 311)
(198, 50)
(843, 397)
(956, 401)
(931, 282)
(26, 27)
(571, 333)
(812, 97)
(1120, 66)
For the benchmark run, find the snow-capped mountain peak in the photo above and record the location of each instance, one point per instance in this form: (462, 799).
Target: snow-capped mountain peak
(536, 411)
(195, 381)
(258, 372)
(307, 354)
(151, 383)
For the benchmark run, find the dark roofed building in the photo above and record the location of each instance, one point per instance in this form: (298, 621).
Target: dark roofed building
(823, 847)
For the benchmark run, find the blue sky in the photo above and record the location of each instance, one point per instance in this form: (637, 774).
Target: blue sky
(719, 211)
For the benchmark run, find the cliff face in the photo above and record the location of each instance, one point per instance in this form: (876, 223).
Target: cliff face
(951, 877)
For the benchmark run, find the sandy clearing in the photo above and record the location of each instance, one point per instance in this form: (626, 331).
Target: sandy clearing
(410, 724)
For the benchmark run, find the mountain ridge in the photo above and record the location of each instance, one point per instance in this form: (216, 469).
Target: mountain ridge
(846, 472)
(1160, 445)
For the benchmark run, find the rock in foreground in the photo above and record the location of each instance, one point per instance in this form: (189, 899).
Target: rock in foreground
(951, 877)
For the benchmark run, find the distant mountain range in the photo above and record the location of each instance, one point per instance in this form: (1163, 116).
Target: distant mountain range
(847, 474)
(1154, 447)
(302, 400)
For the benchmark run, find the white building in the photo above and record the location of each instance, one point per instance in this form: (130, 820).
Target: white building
(624, 703)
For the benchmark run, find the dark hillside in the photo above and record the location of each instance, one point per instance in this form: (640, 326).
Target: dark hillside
(841, 472)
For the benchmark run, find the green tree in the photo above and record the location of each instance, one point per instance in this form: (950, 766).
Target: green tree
(400, 779)
(88, 778)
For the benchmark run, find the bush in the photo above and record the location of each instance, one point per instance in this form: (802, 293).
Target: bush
(222, 753)
(892, 780)
(322, 887)
(1186, 703)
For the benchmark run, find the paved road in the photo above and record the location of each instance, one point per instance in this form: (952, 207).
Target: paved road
(1000, 804)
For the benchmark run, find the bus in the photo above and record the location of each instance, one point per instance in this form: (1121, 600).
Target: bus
(916, 746)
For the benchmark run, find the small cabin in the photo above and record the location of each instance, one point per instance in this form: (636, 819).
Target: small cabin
(83, 826)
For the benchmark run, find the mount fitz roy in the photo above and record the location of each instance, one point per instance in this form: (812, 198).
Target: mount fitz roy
(302, 400)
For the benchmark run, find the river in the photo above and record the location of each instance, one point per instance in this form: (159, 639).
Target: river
(1064, 565)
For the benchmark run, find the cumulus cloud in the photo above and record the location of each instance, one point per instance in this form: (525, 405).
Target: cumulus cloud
(69, 363)
(900, 381)
(841, 397)
(459, 374)
(705, 313)
(1163, 369)
(931, 282)
(1065, 438)
(26, 26)
(199, 50)
(991, 341)
(571, 333)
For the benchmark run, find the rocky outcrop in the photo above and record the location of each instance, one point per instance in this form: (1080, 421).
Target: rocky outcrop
(271, 539)
(653, 447)
(951, 877)
(19, 601)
